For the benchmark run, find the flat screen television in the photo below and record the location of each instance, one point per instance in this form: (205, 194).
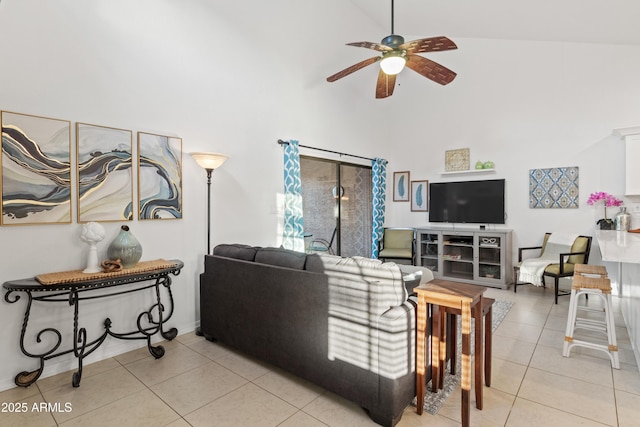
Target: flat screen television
(476, 202)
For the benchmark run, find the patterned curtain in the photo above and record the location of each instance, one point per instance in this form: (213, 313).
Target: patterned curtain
(379, 189)
(293, 225)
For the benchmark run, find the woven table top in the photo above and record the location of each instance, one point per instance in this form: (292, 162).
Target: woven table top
(75, 276)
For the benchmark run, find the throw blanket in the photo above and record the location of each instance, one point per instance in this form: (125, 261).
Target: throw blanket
(531, 269)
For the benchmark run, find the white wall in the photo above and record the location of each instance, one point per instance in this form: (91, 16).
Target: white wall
(157, 66)
(527, 105)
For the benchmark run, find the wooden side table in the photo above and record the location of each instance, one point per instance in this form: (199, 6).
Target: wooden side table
(458, 296)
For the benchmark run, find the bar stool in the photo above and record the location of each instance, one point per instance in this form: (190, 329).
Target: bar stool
(591, 280)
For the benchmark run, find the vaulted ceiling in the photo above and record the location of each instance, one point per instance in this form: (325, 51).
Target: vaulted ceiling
(581, 21)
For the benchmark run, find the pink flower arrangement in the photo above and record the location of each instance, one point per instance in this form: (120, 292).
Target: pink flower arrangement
(607, 199)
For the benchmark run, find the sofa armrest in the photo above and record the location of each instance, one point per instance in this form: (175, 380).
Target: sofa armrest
(422, 273)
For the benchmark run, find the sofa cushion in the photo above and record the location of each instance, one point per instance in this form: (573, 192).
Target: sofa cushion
(237, 251)
(281, 257)
(318, 262)
(368, 286)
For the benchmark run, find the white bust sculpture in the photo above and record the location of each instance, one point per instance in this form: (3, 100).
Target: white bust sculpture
(92, 233)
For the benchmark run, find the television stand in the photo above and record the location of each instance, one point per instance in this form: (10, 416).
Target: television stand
(481, 257)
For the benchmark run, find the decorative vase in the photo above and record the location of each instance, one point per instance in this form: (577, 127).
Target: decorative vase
(606, 224)
(479, 165)
(126, 248)
(622, 220)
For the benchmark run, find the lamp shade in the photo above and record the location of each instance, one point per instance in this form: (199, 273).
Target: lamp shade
(392, 64)
(209, 160)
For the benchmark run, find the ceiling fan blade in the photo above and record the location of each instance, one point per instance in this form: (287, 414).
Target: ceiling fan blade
(431, 44)
(385, 85)
(353, 68)
(370, 45)
(431, 70)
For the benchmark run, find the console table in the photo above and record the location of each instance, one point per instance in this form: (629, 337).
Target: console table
(467, 255)
(71, 290)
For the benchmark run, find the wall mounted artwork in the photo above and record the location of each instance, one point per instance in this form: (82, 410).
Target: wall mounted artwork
(159, 176)
(105, 179)
(36, 169)
(419, 200)
(401, 186)
(419, 196)
(456, 160)
(554, 188)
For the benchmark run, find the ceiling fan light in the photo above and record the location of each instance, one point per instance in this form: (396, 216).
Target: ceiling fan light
(392, 64)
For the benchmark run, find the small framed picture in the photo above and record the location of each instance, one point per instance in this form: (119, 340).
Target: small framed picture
(456, 160)
(419, 191)
(401, 186)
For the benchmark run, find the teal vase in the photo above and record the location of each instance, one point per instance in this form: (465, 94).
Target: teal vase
(126, 248)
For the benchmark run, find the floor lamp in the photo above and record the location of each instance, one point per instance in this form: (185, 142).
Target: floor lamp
(209, 162)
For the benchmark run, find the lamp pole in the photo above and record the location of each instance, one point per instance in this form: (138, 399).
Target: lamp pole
(209, 162)
(209, 171)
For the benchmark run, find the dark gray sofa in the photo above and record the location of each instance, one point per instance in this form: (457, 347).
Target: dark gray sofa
(344, 324)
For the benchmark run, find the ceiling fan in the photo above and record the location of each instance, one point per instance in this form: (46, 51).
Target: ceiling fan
(396, 54)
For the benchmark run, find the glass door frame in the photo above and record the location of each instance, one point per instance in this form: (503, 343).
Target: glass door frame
(338, 187)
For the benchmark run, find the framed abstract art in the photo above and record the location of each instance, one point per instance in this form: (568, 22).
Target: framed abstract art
(159, 176)
(105, 177)
(36, 169)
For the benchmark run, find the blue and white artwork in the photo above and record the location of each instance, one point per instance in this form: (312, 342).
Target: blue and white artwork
(105, 182)
(401, 190)
(159, 176)
(419, 196)
(36, 170)
(554, 188)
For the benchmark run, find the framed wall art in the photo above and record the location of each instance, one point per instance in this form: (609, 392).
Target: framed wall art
(159, 176)
(36, 169)
(401, 186)
(456, 160)
(105, 177)
(554, 188)
(419, 192)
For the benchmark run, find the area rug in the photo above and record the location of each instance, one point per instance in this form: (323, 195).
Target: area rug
(433, 401)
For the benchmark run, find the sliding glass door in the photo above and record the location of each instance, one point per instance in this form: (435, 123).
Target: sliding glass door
(336, 201)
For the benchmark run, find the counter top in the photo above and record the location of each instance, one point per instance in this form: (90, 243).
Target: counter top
(619, 246)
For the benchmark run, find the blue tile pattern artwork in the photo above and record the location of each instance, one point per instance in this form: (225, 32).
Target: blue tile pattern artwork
(554, 188)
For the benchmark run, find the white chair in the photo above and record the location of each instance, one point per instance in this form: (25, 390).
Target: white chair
(591, 280)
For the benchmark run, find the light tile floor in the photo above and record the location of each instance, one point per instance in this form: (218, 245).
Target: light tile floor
(199, 383)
